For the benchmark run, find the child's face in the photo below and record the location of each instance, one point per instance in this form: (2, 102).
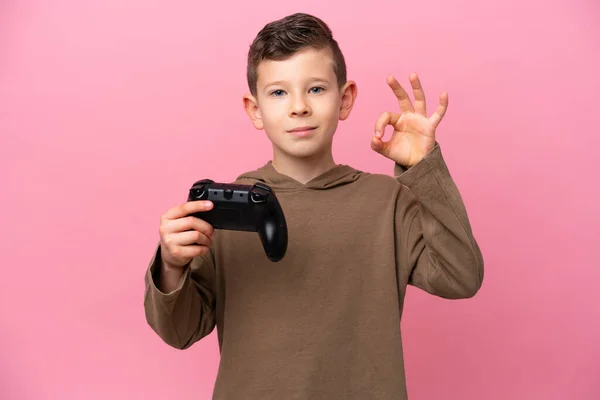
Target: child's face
(300, 93)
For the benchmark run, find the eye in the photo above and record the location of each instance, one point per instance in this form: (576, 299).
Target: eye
(277, 92)
(317, 90)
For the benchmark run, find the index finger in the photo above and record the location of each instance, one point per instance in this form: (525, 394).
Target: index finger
(403, 99)
(187, 208)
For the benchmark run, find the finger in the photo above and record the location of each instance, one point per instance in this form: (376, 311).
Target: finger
(189, 251)
(385, 119)
(194, 237)
(187, 208)
(437, 116)
(419, 94)
(380, 146)
(186, 224)
(401, 95)
(188, 238)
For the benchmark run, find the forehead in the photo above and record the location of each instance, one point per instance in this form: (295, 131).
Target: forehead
(307, 63)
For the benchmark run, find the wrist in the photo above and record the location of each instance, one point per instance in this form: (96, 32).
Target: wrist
(169, 276)
(170, 267)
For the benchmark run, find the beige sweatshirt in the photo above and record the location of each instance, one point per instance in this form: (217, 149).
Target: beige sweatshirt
(324, 323)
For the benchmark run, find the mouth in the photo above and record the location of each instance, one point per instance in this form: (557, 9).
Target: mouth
(302, 130)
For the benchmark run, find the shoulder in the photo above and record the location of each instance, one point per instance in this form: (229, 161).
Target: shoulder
(379, 181)
(386, 188)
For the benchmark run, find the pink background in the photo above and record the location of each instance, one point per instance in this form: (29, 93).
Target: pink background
(110, 109)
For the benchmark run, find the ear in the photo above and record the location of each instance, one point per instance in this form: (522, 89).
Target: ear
(251, 108)
(348, 96)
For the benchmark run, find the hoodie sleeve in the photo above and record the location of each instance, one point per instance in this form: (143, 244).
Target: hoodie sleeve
(438, 252)
(187, 314)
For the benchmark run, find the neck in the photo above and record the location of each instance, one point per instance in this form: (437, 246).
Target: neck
(303, 169)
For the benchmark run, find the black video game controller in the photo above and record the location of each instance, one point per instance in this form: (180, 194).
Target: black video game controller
(250, 208)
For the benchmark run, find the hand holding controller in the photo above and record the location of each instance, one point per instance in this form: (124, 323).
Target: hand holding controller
(251, 208)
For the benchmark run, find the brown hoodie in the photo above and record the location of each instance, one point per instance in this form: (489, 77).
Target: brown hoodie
(324, 323)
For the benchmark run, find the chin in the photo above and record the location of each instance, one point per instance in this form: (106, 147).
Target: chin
(304, 150)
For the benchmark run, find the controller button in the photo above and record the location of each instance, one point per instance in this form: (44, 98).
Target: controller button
(258, 197)
(197, 194)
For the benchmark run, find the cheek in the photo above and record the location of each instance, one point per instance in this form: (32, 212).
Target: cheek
(273, 111)
(327, 110)
(271, 120)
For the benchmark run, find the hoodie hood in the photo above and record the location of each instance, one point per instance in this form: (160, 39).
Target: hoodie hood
(336, 176)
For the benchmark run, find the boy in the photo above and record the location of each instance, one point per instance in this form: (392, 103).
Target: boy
(323, 323)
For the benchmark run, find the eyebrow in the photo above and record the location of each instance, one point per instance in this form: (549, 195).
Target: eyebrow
(274, 83)
(312, 79)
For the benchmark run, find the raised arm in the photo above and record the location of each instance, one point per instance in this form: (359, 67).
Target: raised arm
(438, 250)
(439, 253)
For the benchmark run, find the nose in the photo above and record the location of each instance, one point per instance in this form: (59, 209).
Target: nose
(299, 106)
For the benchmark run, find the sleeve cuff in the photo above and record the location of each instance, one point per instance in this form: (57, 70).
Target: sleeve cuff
(408, 176)
(152, 275)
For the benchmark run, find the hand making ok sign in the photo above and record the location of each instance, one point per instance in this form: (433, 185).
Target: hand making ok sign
(414, 132)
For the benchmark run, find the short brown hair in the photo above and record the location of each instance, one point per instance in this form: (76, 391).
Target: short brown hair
(281, 39)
